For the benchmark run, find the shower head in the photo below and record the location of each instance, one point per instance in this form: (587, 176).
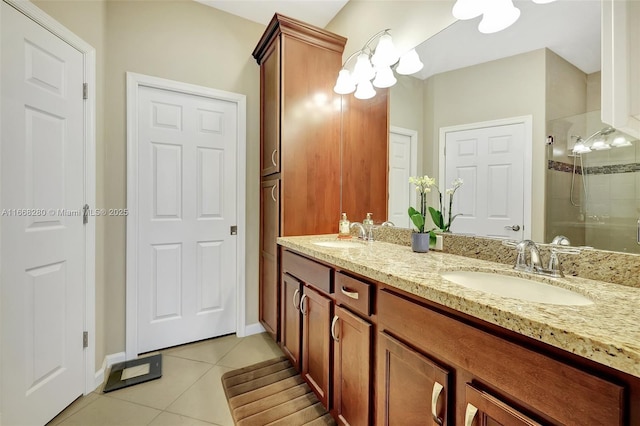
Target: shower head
(606, 131)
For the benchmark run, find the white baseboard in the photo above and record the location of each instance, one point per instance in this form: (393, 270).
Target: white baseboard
(250, 329)
(109, 360)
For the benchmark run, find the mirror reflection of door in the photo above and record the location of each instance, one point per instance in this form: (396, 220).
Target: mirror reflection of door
(490, 161)
(403, 163)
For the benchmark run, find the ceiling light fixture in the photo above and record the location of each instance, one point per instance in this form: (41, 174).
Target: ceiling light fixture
(376, 64)
(496, 14)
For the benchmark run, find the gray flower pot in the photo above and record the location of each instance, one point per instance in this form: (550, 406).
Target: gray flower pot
(420, 242)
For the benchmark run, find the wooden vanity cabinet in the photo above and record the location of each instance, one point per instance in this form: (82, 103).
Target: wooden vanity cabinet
(269, 231)
(482, 408)
(299, 142)
(503, 379)
(352, 333)
(412, 389)
(316, 311)
(306, 310)
(291, 326)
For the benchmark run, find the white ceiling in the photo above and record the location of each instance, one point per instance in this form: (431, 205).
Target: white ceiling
(570, 28)
(315, 12)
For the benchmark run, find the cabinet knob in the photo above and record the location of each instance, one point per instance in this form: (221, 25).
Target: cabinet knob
(333, 328)
(470, 414)
(435, 396)
(273, 196)
(273, 157)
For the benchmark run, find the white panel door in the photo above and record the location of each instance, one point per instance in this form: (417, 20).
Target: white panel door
(402, 165)
(43, 248)
(490, 160)
(186, 206)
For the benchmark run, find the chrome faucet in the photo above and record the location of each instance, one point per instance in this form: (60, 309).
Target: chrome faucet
(363, 234)
(533, 262)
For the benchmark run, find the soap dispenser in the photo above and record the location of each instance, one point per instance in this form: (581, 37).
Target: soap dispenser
(367, 224)
(344, 230)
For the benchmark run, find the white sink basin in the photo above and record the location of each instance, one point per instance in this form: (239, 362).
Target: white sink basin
(516, 288)
(338, 244)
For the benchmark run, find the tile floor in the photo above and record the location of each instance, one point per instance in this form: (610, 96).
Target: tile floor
(189, 393)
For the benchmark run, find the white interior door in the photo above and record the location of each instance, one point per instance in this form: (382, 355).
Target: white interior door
(43, 241)
(402, 165)
(490, 160)
(186, 273)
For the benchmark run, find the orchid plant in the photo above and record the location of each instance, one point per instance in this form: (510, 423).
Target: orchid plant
(423, 187)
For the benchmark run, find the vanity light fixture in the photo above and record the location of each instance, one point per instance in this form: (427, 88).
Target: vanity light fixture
(598, 141)
(377, 65)
(496, 14)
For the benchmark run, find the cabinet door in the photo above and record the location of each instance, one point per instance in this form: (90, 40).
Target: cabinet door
(411, 389)
(270, 110)
(269, 231)
(316, 342)
(351, 368)
(621, 65)
(290, 328)
(483, 409)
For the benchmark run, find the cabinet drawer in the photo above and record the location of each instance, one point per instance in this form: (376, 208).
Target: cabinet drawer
(532, 378)
(353, 293)
(307, 271)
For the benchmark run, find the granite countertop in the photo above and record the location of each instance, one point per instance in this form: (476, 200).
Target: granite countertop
(607, 332)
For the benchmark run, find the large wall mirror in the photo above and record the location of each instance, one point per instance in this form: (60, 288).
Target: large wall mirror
(544, 71)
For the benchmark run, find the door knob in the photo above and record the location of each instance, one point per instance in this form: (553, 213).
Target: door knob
(513, 228)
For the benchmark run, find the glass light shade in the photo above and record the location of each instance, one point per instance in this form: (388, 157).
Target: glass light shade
(543, 1)
(468, 9)
(620, 141)
(409, 63)
(600, 145)
(344, 84)
(499, 16)
(363, 70)
(384, 77)
(580, 148)
(386, 53)
(365, 90)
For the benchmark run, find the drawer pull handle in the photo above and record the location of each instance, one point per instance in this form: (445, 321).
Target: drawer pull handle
(435, 395)
(296, 294)
(302, 310)
(351, 294)
(470, 414)
(273, 197)
(333, 328)
(273, 157)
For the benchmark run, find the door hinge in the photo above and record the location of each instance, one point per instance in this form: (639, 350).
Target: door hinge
(85, 91)
(234, 230)
(85, 339)
(85, 214)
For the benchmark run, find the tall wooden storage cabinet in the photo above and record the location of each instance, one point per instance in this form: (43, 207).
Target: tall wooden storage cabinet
(299, 143)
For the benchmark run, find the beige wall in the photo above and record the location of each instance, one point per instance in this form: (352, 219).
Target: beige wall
(411, 22)
(406, 108)
(179, 40)
(566, 88)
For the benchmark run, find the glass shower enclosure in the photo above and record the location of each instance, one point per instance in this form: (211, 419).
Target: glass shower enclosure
(592, 184)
